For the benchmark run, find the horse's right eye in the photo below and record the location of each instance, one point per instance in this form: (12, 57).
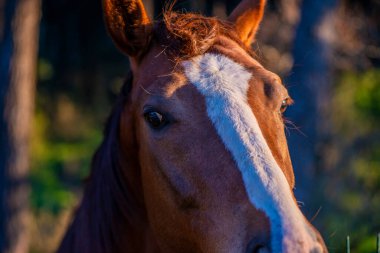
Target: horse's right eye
(155, 119)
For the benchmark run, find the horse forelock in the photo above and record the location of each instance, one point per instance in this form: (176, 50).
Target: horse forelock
(185, 35)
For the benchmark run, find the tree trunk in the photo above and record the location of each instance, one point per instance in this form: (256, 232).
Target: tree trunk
(309, 85)
(18, 58)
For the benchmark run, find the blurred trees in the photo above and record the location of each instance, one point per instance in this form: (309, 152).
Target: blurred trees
(348, 170)
(311, 78)
(344, 180)
(19, 42)
(350, 185)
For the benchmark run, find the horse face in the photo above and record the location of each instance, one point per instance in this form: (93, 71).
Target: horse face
(194, 191)
(214, 168)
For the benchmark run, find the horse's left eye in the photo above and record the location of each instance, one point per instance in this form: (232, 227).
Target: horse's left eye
(284, 105)
(155, 119)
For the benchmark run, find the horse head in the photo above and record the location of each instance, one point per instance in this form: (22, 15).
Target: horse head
(202, 163)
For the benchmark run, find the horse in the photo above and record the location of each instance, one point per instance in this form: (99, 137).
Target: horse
(194, 156)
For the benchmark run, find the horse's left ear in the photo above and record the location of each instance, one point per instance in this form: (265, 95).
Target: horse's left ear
(246, 18)
(128, 24)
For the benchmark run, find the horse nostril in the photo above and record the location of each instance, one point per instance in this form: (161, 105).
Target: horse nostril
(260, 249)
(317, 249)
(258, 245)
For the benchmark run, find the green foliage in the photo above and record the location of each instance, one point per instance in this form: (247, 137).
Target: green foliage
(59, 165)
(45, 70)
(356, 103)
(352, 186)
(367, 95)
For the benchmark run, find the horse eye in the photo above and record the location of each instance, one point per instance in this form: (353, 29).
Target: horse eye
(155, 119)
(284, 105)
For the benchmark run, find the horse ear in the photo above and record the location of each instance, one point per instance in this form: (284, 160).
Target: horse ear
(247, 17)
(128, 24)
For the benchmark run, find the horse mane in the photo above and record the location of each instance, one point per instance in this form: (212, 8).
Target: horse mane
(185, 35)
(108, 205)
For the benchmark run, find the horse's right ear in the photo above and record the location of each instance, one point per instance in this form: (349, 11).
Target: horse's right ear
(128, 24)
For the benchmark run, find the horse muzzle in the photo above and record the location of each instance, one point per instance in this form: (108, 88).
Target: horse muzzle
(310, 242)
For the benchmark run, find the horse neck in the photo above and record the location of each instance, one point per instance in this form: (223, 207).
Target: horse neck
(110, 219)
(104, 229)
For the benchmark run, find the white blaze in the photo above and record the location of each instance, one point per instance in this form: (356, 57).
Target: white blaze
(224, 84)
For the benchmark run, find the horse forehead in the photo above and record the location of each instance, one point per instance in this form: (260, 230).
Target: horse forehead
(233, 64)
(212, 72)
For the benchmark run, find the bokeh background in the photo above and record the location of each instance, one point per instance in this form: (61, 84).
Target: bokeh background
(326, 51)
